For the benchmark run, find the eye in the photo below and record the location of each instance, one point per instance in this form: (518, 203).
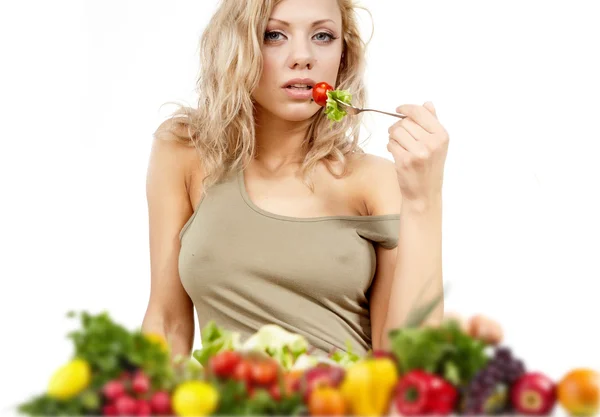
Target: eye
(272, 36)
(324, 37)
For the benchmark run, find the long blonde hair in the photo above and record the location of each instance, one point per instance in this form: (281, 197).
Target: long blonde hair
(222, 127)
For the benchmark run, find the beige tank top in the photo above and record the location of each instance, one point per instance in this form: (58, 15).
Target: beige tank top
(245, 267)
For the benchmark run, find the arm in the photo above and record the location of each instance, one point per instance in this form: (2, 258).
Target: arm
(170, 310)
(401, 272)
(418, 263)
(387, 286)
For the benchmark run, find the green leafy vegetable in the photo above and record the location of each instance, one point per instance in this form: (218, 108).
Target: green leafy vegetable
(283, 346)
(332, 109)
(278, 343)
(109, 348)
(42, 405)
(347, 358)
(214, 340)
(444, 350)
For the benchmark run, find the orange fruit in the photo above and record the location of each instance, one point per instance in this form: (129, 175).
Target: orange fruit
(579, 392)
(326, 401)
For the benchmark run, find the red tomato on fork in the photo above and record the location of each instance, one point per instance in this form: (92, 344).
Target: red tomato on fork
(320, 93)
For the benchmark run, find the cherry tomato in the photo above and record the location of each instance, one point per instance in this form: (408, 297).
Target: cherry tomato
(243, 372)
(320, 93)
(264, 372)
(224, 363)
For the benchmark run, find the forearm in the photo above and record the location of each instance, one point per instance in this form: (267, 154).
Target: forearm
(179, 336)
(181, 342)
(418, 263)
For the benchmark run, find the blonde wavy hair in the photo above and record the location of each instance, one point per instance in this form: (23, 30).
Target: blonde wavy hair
(222, 127)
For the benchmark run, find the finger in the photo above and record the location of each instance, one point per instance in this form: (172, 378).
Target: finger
(421, 116)
(397, 151)
(407, 141)
(429, 106)
(414, 129)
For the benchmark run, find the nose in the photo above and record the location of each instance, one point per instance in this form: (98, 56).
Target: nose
(301, 55)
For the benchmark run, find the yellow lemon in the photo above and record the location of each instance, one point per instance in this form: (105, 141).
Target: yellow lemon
(70, 379)
(159, 339)
(194, 398)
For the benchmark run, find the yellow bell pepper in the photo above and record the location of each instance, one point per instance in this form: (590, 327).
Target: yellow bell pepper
(368, 386)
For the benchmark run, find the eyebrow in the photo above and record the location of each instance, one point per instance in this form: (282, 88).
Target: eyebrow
(318, 22)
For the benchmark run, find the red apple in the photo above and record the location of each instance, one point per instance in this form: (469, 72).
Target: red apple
(533, 394)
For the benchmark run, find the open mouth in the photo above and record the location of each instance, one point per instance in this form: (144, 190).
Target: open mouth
(299, 87)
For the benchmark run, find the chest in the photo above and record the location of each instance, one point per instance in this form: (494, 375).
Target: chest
(237, 248)
(289, 195)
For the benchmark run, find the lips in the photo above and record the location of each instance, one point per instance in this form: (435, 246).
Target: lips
(303, 83)
(299, 88)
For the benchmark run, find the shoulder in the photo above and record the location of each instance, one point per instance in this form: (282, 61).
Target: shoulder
(376, 180)
(173, 156)
(173, 149)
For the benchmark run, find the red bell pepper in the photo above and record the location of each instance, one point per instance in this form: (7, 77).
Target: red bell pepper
(442, 396)
(421, 393)
(412, 393)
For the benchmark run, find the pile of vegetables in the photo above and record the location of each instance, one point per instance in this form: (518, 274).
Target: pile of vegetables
(428, 371)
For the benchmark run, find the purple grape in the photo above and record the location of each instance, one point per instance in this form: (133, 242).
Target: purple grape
(487, 393)
(503, 353)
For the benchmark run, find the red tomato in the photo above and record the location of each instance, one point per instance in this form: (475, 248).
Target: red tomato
(275, 391)
(243, 372)
(223, 364)
(264, 372)
(320, 93)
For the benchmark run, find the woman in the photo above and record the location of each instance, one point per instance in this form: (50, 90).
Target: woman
(262, 211)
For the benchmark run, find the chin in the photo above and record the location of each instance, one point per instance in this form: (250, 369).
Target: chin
(297, 112)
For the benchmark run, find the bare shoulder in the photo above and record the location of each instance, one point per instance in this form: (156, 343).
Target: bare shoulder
(173, 150)
(376, 180)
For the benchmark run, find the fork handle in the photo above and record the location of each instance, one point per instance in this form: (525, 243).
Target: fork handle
(398, 115)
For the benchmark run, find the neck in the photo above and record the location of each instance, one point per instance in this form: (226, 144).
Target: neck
(279, 143)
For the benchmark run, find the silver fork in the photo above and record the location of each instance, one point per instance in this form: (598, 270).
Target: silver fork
(351, 110)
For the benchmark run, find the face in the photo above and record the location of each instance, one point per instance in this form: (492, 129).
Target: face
(303, 40)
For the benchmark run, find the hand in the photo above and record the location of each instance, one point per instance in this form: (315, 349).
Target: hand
(419, 144)
(479, 327)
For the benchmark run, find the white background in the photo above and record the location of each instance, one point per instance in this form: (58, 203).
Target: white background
(515, 83)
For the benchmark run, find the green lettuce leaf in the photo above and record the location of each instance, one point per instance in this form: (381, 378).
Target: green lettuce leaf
(278, 343)
(333, 110)
(214, 340)
(443, 350)
(347, 358)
